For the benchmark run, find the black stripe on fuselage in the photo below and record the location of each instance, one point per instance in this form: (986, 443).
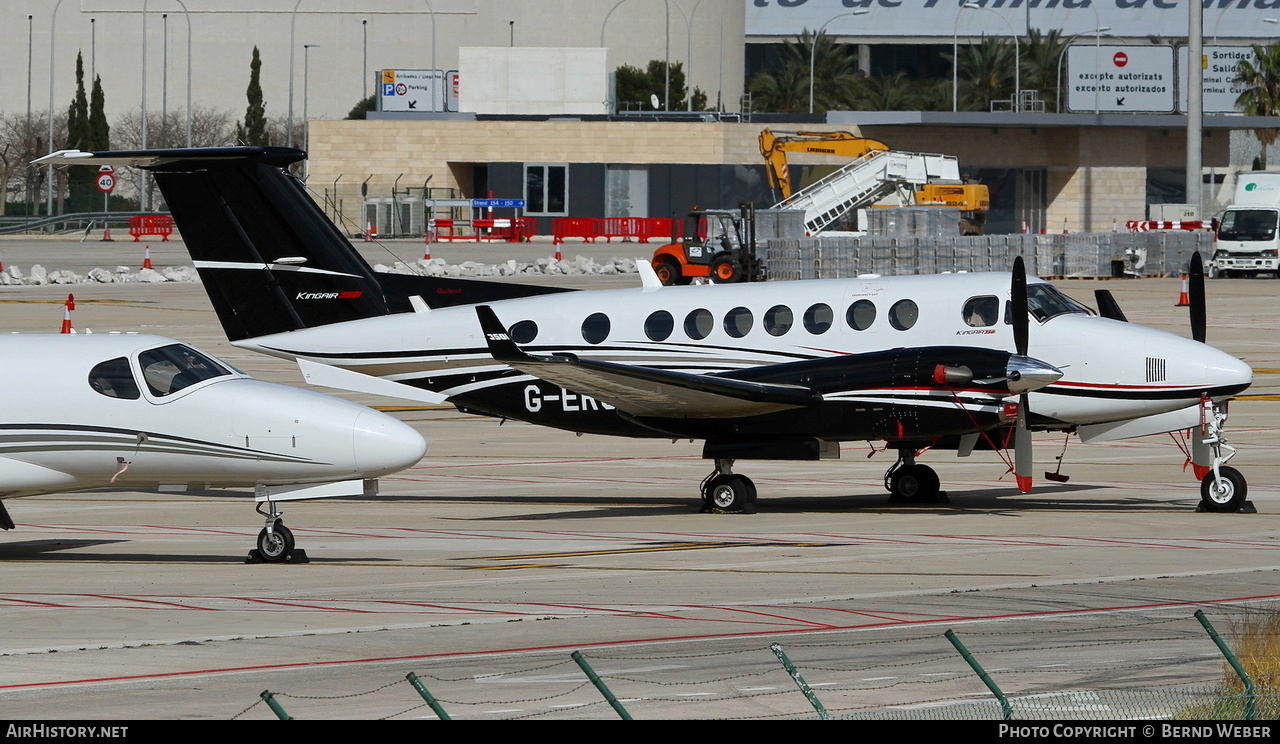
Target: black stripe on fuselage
(1189, 394)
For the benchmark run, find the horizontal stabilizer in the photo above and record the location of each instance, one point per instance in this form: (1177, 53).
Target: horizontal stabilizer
(328, 376)
(645, 391)
(268, 256)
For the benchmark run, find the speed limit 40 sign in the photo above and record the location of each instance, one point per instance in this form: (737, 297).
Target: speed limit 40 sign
(106, 179)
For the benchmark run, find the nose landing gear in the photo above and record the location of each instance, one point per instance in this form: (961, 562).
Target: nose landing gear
(275, 541)
(1222, 489)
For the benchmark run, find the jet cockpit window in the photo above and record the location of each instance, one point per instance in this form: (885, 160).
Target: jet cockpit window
(982, 312)
(659, 325)
(778, 320)
(738, 322)
(169, 369)
(595, 328)
(698, 324)
(817, 319)
(861, 315)
(114, 379)
(904, 314)
(1046, 301)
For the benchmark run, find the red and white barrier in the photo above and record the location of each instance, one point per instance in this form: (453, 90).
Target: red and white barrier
(1147, 225)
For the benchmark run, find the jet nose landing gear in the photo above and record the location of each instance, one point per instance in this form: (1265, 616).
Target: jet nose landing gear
(275, 541)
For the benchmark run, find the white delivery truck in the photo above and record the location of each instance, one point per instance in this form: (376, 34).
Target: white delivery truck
(1246, 241)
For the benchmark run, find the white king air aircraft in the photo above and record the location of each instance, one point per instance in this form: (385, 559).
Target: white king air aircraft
(781, 370)
(145, 412)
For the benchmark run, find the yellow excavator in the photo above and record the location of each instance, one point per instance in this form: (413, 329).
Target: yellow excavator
(972, 199)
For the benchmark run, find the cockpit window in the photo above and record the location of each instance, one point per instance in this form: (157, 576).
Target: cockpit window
(114, 379)
(169, 369)
(1045, 301)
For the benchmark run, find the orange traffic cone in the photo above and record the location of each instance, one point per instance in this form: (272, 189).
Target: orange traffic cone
(67, 307)
(1065, 231)
(1184, 298)
(146, 261)
(559, 255)
(106, 235)
(426, 252)
(368, 230)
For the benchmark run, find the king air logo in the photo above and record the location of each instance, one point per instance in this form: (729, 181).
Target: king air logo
(329, 295)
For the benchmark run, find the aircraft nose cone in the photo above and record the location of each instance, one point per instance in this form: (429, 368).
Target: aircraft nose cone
(1027, 374)
(1227, 375)
(384, 444)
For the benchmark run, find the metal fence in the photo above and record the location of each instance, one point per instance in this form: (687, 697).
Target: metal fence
(1077, 255)
(1138, 666)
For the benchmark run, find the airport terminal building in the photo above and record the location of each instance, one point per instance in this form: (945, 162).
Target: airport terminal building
(523, 100)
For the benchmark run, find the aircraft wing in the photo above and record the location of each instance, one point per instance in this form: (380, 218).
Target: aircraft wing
(645, 391)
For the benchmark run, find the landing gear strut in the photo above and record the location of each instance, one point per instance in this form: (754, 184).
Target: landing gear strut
(911, 482)
(275, 541)
(723, 491)
(1222, 489)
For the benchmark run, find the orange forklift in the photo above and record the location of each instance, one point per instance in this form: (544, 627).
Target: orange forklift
(717, 244)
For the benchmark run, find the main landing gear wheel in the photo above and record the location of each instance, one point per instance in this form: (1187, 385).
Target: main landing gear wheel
(724, 491)
(276, 545)
(914, 483)
(1225, 493)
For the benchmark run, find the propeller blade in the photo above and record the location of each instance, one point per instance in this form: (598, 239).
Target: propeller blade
(1022, 448)
(1195, 294)
(1021, 434)
(1107, 305)
(1018, 295)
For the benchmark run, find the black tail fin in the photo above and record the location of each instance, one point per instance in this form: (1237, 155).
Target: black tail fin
(269, 258)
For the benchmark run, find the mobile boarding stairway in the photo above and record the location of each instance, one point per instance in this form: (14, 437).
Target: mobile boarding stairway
(865, 181)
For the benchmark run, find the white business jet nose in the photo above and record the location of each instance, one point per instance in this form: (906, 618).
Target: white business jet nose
(384, 444)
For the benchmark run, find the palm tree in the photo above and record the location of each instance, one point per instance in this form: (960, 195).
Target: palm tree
(1041, 56)
(786, 89)
(888, 93)
(986, 73)
(1260, 80)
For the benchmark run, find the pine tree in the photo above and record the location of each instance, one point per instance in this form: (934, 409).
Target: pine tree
(253, 130)
(99, 128)
(79, 137)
